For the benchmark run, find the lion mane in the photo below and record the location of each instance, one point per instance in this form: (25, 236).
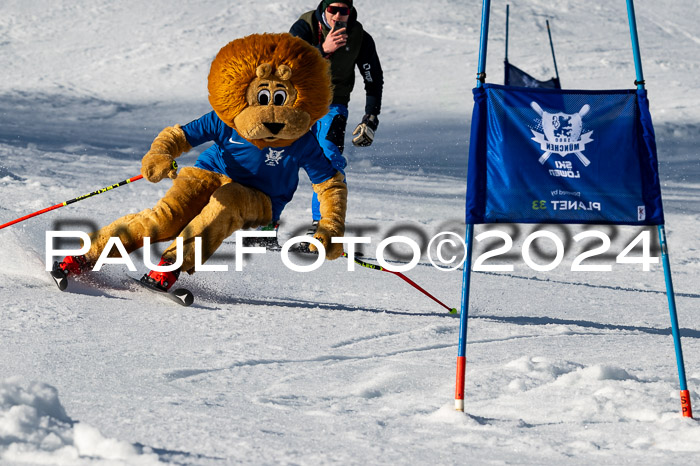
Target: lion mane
(234, 68)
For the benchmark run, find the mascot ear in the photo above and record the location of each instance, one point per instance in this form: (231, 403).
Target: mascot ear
(284, 72)
(264, 71)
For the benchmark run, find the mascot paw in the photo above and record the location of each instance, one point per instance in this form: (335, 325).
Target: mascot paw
(159, 161)
(156, 165)
(333, 250)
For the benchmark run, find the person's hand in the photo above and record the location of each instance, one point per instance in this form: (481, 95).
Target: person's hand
(336, 39)
(364, 133)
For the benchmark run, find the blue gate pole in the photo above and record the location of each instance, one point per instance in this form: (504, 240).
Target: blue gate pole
(686, 409)
(463, 318)
(466, 274)
(639, 82)
(483, 42)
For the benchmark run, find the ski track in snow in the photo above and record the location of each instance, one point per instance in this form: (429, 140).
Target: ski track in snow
(270, 366)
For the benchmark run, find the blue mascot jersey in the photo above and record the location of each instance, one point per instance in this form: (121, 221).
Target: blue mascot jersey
(273, 170)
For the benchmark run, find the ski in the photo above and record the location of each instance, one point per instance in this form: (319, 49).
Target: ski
(182, 296)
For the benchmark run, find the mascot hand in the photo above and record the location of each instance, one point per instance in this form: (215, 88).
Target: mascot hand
(333, 197)
(364, 133)
(155, 166)
(324, 235)
(159, 162)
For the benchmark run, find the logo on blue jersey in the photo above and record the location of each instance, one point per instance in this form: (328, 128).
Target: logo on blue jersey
(273, 157)
(562, 135)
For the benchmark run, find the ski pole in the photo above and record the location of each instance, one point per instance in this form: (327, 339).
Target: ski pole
(404, 278)
(79, 198)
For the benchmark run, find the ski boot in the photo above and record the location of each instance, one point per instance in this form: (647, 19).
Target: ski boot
(70, 265)
(161, 280)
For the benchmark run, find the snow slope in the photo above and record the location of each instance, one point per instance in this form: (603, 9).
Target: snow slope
(271, 366)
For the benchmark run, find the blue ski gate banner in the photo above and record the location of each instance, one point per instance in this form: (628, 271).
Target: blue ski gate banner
(562, 156)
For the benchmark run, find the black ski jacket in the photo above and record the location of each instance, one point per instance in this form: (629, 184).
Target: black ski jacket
(360, 52)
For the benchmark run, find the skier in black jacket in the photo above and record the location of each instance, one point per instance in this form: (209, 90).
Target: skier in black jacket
(346, 48)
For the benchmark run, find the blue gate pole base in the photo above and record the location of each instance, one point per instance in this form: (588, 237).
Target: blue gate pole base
(686, 408)
(463, 318)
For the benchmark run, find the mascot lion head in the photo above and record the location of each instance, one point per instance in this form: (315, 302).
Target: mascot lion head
(270, 88)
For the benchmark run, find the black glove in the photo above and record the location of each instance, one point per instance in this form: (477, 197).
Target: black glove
(364, 133)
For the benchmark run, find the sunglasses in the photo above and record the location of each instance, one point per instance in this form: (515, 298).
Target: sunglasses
(343, 10)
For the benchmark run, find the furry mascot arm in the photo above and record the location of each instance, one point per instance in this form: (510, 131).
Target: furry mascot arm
(166, 147)
(333, 197)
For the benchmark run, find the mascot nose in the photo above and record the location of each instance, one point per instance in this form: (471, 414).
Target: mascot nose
(274, 127)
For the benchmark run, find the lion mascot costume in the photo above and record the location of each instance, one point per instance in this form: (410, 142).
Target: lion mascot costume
(266, 91)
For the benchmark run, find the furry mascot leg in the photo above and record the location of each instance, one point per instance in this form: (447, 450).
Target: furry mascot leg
(187, 197)
(231, 207)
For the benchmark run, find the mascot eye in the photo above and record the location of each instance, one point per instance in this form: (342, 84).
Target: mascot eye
(280, 97)
(264, 97)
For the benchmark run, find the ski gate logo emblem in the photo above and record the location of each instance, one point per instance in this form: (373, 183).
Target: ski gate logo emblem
(273, 157)
(562, 135)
